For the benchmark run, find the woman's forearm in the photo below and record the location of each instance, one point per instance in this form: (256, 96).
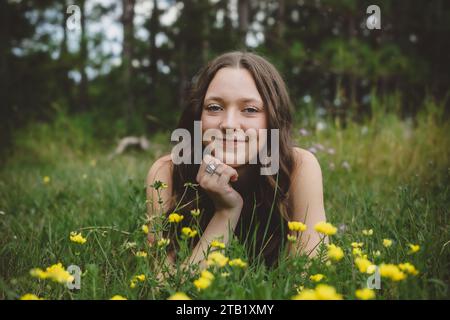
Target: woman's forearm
(217, 229)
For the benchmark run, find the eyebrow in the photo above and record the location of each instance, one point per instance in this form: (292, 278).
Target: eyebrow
(245, 100)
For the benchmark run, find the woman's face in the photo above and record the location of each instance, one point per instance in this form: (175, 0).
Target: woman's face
(233, 105)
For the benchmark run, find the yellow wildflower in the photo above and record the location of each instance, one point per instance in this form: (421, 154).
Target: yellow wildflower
(387, 243)
(365, 294)
(307, 294)
(195, 212)
(179, 296)
(392, 272)
(413, 248)
(175, 217)
(118, 297)
(55, 272)
(367, 232)
(140, 277)
(325, 228)
(202, 283)
(237, 262)
(326, 292)
(335, 253)
(317, 277)
(206, 274)
(291, 238)
(357, 244)
(141, 254)
(376, 253)
(296, 226)
(135, 279)
(364, 265)
(217, 258)
(30, 296)
(188, 232)
(217, 244)
(322, 292)
(225, 274)
(46, 179)
(144, 228)
(163, 242)
(408, 268)
(357, 252)
(77, 238)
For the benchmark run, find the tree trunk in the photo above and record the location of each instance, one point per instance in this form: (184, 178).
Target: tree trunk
(243, 11)
(83, 95)
(127, 55)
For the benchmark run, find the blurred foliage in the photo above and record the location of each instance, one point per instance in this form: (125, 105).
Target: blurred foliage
(328, 57)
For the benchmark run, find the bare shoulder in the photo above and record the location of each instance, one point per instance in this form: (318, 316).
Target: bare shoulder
(161, 170)
(305, 162)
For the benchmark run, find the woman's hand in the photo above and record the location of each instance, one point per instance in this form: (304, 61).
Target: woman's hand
(218, 187)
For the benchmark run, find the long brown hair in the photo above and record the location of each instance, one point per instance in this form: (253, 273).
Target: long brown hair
(266, 207)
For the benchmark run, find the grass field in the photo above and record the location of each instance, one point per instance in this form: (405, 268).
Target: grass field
(385, 174)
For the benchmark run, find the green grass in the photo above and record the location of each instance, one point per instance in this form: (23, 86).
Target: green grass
(396, 183)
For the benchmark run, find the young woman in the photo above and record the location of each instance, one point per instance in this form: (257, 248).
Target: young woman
(235, 92)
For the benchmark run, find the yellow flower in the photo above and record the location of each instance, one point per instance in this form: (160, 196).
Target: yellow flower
(408, 268)
(325, 228)
(296, 226)
(55, 272)
(195, 212)
(291, 238)
(217, 258)
(179, 296)
(77, 238)
(135, 279)
(189, 232)
(392, 272)
(367, 232)
(144, 228)
(30, 296)
(307, 294)
(217, 244)
(202, 283)
(326, 292)
(206, 274)
(357, 252)
(237, 262)
(387, 243)
(46, 179)
(118, 297)
(364, 265)
(175, 217)
(317, 277)
(413, 248)
(357, 244)
(225, 274)
(163, 242)
(335, 253)
(365, 294)
(140, 277)
(141, 254)
(376, 253)
(322, 292)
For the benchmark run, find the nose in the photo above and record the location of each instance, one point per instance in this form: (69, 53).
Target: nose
(230, 120)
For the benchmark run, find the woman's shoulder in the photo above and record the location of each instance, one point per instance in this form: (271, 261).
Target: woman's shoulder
(305, 159)
(161, 170)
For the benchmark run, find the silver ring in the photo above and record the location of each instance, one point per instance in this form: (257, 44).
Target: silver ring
(211, 168)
